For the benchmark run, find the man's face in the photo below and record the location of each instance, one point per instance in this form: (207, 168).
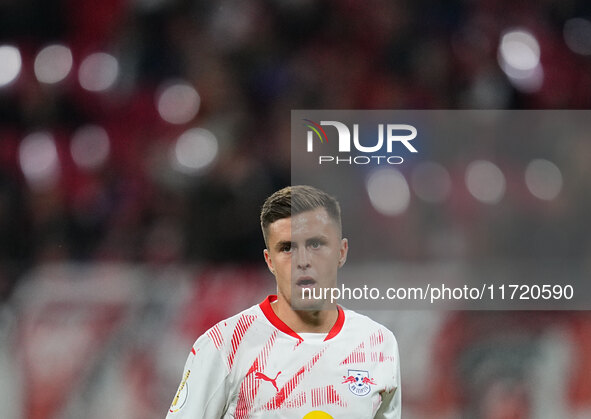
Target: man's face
(305, 251)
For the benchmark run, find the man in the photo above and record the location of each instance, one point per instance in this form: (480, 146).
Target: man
(292, 356)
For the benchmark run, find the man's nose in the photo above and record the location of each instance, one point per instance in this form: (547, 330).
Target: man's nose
(302, 258)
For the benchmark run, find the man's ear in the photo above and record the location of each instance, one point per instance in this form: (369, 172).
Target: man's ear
(343, 252)
(268, 261)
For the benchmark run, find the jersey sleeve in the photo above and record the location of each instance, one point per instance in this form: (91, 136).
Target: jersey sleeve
(391, 407)
(203, 391)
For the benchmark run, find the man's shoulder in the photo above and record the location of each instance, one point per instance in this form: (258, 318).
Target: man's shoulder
(362, 323)
(222, 333)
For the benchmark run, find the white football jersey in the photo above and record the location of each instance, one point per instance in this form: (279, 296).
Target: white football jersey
(253, 365)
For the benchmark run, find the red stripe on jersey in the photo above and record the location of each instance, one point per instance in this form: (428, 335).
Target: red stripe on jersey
(242, 326)
(285, 391)
(377, 357)
(380, 357)
(298, 401)
(193, 351)
(376, 339)
(357, 356)
(279, 324)
(216, 336)
(249, 386)
(326, 395)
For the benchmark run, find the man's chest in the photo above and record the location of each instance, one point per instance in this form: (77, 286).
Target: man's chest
(292, 382)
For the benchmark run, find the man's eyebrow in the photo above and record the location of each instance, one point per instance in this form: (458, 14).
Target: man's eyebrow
(318, 238)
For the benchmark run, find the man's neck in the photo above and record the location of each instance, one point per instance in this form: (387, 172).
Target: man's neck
(306, 321)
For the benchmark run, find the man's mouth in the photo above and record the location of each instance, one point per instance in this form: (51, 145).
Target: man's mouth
(306, 282)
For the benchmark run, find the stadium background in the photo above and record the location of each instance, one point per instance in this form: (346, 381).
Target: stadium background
(138, 139)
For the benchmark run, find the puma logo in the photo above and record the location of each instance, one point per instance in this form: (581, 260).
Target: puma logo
(273, 381)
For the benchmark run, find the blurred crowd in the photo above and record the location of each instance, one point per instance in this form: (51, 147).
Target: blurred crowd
(250, 63)
(149, 132)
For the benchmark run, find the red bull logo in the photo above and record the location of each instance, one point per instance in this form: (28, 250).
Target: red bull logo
(349, 379)
(366, 380)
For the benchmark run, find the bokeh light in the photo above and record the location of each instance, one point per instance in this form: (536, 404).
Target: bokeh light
(98, 72)
(519, 58)
(577, 35)
(485, 181)
(194, 150)
(431, 182)
(543, 179)
(10, 64)
(38, 159)
(388, 191)
(53, 64)
(177, 102)
(90, 147)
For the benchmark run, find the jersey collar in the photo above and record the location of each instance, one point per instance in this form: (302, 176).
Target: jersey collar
(279, 324)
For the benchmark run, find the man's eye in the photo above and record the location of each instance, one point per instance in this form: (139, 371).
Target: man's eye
(315, 244)
(286, 248)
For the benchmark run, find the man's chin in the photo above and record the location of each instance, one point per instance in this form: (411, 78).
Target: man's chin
(304, 299)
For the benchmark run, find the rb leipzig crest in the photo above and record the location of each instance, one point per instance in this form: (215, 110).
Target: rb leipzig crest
(358, 382)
